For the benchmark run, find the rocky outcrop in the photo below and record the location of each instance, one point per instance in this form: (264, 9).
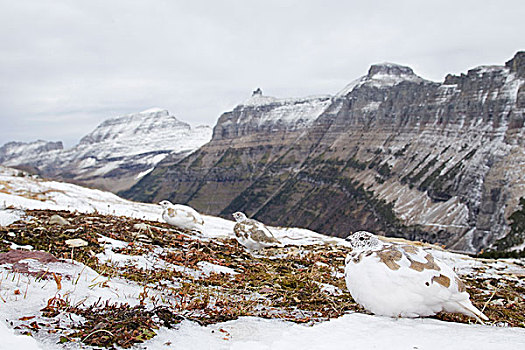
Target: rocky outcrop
(116, 154)
(392, 152)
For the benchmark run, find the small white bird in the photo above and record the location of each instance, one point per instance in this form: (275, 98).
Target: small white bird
(182, 216)
(401, 280)
(252, 234)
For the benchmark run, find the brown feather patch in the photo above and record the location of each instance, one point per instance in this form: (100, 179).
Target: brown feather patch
(248, 230)
(389, 256)
(441, 279)
(410, 249)
(260, 236)
(419, 266)
(238, 229)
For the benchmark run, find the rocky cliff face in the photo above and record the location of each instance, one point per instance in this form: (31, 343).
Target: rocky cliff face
(392, 152)
(116, 154)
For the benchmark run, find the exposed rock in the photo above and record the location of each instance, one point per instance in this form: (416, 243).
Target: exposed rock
(58, 220)
(14, 256)
(141, 226)
(76, 242)
(517, 64)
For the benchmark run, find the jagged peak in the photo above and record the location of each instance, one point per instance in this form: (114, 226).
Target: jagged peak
(388, 68)
(486, 69)
(383, 75)
(517, 64)
(257, 92)
(257, 98)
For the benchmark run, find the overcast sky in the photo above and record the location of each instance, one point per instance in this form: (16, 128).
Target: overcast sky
(67, 65)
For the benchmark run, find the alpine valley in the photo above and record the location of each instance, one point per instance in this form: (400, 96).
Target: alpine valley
(392, 153)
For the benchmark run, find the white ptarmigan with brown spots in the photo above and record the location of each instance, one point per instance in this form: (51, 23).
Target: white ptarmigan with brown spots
(401, 280)
(182, 216)
(252, 234)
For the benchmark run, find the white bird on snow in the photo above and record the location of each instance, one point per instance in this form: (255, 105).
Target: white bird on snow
(252, 234)
(401, 280)
(182, 216)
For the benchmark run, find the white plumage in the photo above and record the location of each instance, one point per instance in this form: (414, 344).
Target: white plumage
(252, 234)
(401, 280)
(182, 216)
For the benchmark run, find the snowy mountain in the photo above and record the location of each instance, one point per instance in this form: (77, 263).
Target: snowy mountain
(391, 152)
(383, 75)
(17, 151)
(260, 113)
(110, 273)
(113, 156)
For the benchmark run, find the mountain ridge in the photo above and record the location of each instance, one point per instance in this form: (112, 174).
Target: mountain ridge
(115, 154)
(392, 152)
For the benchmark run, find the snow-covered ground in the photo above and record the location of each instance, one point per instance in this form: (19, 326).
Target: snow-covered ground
(34, 193)
(9, 340)
(354, 330)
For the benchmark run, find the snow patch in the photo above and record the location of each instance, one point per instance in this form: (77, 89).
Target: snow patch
(292, 112)
(15, 341)
(8, 216)
(144, 173)
(208, 268)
